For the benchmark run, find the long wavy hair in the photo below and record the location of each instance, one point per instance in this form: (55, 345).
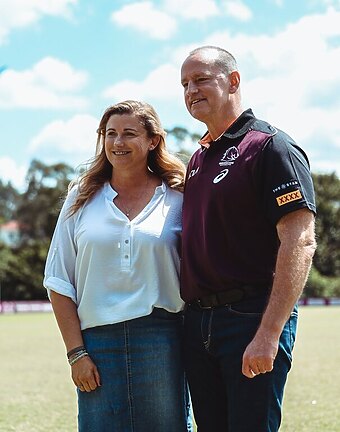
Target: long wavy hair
(162, 163)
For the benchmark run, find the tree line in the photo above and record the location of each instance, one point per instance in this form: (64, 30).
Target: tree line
(36, 209)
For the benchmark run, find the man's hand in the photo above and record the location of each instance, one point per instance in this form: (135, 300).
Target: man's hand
(259, 356)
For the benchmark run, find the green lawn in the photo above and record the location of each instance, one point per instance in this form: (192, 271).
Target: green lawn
(37, 393)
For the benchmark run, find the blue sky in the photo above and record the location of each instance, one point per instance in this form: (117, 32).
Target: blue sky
(62, 62)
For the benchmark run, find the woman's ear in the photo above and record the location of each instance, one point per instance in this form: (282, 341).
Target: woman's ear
(154, 142)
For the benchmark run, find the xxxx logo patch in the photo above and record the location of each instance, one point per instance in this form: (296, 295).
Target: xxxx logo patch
(288, 197)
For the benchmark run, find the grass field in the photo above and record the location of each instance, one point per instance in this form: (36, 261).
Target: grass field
(37, 394)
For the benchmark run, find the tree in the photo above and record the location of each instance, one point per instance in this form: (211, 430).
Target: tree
(324, 279)
(21, 271)
(182, 137)
(39, 205)
(8, 201)
(327, 256)
(22, 266)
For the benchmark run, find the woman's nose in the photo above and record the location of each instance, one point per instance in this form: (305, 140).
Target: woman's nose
(118, 141)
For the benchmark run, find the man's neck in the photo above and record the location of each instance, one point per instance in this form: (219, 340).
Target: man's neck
(219, 126)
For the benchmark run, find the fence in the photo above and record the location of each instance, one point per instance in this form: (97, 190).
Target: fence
(25, 306)
(45, 306)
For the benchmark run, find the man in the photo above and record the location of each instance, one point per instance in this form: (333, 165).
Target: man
(248, 243)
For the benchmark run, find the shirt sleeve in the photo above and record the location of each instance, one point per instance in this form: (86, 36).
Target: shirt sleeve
(61, 258)
(285, 179)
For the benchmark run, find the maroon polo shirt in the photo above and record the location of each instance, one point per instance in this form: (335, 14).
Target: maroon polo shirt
(236, 191)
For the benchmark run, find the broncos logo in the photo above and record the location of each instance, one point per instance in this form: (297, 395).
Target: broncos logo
(229, 156)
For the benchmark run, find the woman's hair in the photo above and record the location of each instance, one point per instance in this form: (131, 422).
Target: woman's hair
(165, 165)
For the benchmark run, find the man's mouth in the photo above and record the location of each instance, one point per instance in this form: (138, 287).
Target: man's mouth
(195, 101)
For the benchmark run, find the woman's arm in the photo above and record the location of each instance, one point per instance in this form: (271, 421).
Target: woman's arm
(84, 372)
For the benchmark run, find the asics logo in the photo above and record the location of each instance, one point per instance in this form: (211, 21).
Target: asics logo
(221, 176)
(193, 172)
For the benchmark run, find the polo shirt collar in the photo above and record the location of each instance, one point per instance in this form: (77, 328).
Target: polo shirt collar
(240, 127)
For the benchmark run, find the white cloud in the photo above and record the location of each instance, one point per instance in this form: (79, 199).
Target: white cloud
(335, 3)
(144, 17)
(237, 9)
(23, 13)
(50, 83)
(161, 23)
(192, 9)
(72, 141)
(292, 79)
(161, 84)
(292, 88)
(13, 172)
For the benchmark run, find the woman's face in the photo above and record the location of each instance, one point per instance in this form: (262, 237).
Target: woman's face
(126, 142)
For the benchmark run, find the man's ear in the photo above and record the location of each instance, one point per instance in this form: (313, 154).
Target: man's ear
(234, 80)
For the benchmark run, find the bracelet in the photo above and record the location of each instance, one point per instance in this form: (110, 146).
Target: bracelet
(77, 354)
(78, 357)
(75, 350)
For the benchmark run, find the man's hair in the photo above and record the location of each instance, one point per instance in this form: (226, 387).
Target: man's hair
(224, 60)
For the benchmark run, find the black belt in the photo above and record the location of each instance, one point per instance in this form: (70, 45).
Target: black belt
(233, 295)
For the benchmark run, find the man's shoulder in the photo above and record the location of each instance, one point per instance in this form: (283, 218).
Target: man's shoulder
(280, 142)
(278, 135)
(263, 126)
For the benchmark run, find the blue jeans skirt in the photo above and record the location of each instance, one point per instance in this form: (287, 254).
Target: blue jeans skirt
(224, 400)
(143, 386)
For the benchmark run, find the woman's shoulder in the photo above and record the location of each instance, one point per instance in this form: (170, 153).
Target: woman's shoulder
(72, 193)
(174, 194)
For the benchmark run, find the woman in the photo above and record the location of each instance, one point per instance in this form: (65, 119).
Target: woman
(112, 278)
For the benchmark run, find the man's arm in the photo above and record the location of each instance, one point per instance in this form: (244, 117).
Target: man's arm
(297, 245)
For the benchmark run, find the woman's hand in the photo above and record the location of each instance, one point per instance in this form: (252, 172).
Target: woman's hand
(85, 374)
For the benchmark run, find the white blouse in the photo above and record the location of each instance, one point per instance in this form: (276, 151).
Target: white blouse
(115, 269)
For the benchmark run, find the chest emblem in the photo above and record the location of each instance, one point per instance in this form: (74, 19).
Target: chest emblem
(229, 156)
(228, 159)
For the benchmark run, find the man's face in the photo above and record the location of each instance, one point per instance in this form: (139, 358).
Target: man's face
(206, 87)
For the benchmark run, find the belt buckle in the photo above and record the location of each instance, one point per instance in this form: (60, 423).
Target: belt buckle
(201, 306)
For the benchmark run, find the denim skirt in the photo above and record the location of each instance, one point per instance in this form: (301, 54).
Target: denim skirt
(143, 386)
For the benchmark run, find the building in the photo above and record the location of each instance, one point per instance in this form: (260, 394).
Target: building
(10, 233)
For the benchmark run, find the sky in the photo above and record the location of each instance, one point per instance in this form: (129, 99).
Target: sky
(63, 62)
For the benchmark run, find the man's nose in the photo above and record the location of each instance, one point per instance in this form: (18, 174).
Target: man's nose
(191, 88)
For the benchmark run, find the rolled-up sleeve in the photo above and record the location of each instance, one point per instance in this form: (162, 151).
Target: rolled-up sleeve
(61, 259)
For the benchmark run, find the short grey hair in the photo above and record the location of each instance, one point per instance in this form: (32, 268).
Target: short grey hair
(224, 60)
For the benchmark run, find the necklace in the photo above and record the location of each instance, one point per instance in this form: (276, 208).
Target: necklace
(127, 210)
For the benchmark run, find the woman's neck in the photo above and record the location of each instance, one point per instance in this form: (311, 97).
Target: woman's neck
(123, 181)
